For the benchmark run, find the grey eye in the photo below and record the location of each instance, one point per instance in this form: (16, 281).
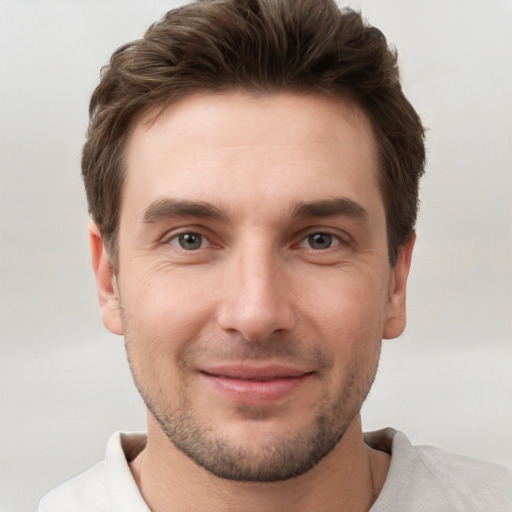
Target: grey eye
(188, 241)
(320, 240)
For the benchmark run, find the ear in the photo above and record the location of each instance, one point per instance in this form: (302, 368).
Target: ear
(396, 310)
(106, 284)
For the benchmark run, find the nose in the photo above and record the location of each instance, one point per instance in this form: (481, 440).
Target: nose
(256, 299)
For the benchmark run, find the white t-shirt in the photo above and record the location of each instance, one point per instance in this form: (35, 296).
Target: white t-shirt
(420, 479)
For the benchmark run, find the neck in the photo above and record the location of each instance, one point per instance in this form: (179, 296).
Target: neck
(349, 478)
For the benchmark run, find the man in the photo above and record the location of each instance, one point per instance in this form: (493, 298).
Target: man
(252, 172)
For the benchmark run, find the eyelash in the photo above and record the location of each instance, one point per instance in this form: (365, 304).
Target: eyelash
(179, 236)
(333, 240)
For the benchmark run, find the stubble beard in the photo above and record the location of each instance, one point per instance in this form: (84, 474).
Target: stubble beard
(277, 459)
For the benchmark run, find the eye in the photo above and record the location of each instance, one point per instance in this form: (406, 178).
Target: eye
(319, 241)
(189, 241)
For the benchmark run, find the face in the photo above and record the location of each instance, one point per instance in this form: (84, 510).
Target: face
(253, 286)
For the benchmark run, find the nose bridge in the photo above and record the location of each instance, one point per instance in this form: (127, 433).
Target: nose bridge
(255, 302)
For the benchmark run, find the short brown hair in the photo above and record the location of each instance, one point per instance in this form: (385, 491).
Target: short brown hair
(258, 46)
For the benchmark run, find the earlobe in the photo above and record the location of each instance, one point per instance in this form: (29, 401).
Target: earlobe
(106, 284)
(396, 308)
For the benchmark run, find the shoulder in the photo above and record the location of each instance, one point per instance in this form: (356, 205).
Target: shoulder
(108, 485)
(473, 484)
(427, 478)
(471, 472)
(85, 492)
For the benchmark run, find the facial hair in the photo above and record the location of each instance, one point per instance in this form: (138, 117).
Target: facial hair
(278, 458)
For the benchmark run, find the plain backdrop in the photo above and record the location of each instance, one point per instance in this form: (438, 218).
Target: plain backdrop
(65, 385)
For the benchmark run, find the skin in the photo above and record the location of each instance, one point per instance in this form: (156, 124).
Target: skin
(286, 271)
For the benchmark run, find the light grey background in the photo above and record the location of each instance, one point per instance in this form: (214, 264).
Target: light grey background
(65, 386)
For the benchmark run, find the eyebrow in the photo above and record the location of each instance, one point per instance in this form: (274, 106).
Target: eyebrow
(328, 208)
(169, 208)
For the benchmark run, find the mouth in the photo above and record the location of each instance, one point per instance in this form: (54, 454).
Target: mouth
(252, 384)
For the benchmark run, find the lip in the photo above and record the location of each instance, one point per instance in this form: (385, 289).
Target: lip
(249, 372)
(255, 384)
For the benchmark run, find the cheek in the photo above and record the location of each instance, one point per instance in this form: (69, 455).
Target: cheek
(348, 309)
(348, 320)
(163, 311)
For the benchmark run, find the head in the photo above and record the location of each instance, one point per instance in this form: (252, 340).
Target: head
(252, 171)
(259, 46)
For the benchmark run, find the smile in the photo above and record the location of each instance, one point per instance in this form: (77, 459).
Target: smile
(259, 385)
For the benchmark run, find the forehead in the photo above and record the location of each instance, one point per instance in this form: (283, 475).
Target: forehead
(235, 147)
